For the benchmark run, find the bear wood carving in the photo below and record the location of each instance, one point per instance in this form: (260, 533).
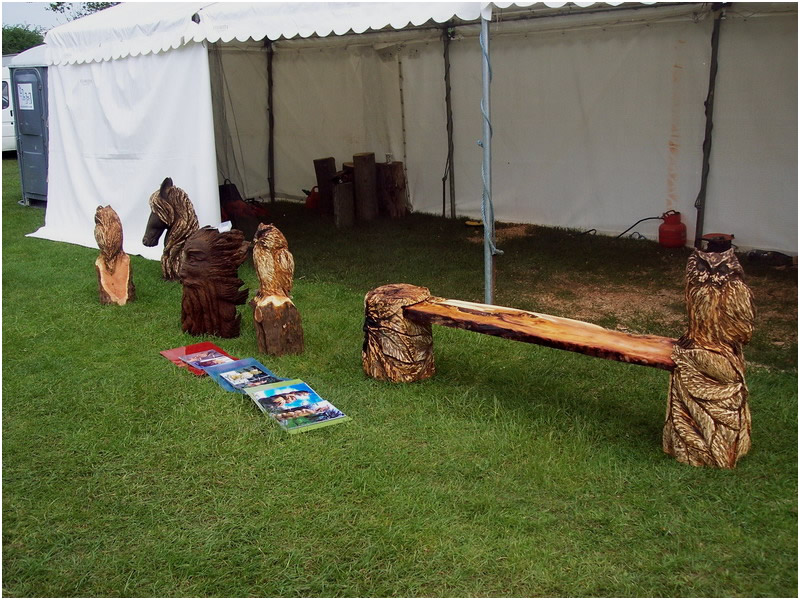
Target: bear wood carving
(278, 325)
(708, 415)
(171, 210)
(113, 266)
(209, 272)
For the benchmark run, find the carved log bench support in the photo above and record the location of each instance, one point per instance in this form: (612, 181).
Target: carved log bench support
(395, 347)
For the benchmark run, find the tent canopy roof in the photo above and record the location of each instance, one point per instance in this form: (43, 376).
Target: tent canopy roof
(131, 29)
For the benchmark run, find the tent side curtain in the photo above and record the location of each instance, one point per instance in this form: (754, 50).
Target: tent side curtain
(117, 129)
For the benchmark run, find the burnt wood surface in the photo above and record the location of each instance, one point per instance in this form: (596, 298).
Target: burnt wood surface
(546, 330)
(211, 285)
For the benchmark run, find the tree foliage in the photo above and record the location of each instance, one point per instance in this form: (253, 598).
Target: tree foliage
(76, 10)
(17, 38)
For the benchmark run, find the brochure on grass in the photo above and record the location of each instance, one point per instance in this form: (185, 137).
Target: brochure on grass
(295, 406)
(239, 375)
(176, 355)
(206, 358)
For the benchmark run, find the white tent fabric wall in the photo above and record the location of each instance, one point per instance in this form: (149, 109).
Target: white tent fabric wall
(113, 126)
(583, 122)
(752, 187)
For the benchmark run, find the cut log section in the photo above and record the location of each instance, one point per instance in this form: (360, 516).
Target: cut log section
(343, 210)
(396, 348)
(546, 330)
(392, 190)
(325, 169)
(278, 325)
(115, 286)
(365, 189)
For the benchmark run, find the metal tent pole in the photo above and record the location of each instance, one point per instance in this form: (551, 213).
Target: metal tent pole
(487, 209)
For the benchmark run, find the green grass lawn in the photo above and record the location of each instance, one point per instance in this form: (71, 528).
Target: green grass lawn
(516, 471)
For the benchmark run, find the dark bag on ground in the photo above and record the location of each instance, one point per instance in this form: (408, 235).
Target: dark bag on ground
(243, 216)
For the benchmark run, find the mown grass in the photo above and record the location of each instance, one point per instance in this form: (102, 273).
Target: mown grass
(515, 471)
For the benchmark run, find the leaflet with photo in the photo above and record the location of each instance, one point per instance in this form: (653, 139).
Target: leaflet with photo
(206, 358)
(176, 355)
(295, 406)
(239, 375)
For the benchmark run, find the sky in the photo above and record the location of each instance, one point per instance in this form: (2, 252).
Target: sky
(31, 13)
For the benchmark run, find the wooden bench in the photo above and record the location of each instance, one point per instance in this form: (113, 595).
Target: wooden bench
(399, 344)
(708, 416)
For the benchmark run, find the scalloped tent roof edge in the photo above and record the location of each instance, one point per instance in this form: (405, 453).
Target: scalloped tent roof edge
(133, 29)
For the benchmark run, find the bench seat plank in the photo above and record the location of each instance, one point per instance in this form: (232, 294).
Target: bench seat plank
(546, 330)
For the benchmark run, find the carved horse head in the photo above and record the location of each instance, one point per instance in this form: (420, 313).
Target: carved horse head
(173, 212)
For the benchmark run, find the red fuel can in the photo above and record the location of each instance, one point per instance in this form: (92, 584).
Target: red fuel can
(672, 233)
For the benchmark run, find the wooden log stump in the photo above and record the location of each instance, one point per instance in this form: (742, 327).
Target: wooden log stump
(708, 414)
(278, 325)
(170, 210)
(365, 190)
(395, 348)
(325, 169)
(209, 274)
(113, 266)
(343, 209)
(392, 190)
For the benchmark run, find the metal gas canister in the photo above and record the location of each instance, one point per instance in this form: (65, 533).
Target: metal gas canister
(672, 233)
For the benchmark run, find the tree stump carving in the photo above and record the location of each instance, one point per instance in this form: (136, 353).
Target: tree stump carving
(113, 266)
(277, 321)
(170, 210)
(708, 414)
(209, 273)
(396, 348)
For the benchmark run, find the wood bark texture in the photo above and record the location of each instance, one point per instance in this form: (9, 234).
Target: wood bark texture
(708, 414)
(546, 330)
(325, 169)
(277, 321)
(113, 266)
(366, 186)
(209, 274)
(392, 189)
(170, 210)
(396, 348)
(343, 209)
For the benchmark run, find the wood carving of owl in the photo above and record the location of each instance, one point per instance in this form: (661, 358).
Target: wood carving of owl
(708, 416)
(273, 262)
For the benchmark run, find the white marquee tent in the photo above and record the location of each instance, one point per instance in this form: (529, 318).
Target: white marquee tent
(597, 109)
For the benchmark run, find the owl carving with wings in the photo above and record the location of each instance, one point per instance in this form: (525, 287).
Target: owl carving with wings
(708, 415)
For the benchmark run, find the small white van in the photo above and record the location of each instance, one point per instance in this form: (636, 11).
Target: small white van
(9, 137)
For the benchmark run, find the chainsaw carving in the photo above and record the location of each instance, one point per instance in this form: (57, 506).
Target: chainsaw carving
(396, 348)
(708, 416)
(278, 325)
(209, 274)
(113, 266)
(172, 210)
